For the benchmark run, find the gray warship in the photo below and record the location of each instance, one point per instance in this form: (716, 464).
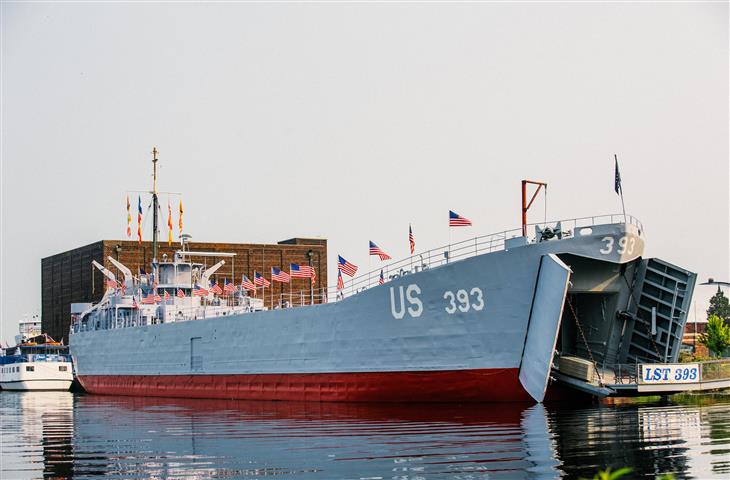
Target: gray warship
(499, 317)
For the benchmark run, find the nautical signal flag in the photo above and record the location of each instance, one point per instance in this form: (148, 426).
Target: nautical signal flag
(259, 280)
(376, 250)
(247, 284)
(139, 218)
(129, 220)
(381, 280)
(229, 287)
(411, 239)
(617, 179)
(169, 224)
(456, 220)
(180, 293)
(216, 289)
(340, 282)
(346, 267)
(278, 275)
(199, 291)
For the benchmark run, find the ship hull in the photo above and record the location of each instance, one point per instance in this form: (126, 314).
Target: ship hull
(481, 329)
(497, 385)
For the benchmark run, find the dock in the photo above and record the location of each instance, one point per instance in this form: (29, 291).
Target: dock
(649, 379)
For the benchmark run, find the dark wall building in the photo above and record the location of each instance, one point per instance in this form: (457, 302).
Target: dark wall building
(69, 277)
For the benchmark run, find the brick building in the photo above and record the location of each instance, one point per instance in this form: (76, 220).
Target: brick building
(69, 277)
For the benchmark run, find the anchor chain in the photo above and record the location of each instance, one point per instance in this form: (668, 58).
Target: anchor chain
(585, 342)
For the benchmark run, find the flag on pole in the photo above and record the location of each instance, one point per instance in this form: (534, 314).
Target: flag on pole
(169, 224)
(180, 293)
(199, 291)
(279, 276)
(247, 284)
(259, 280)
(123, 287)
(216, 289)
(340, 282)
(302, 271)
(167, 296)
(129, 219)
(139, 218)
(411, 239)
(381, 280)
(181, 215)
(229, 287)
(151, 299)
(376, 250)
(456, 220)
(348, 268)
(617, 179)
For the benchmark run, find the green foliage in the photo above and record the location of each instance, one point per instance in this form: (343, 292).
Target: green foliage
(609, 475)
(717, 338)
(720, 306)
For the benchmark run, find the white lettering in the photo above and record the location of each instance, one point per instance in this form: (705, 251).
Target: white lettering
(413, 300)
(400, 313)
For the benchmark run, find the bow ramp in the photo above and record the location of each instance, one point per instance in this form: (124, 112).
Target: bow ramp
(544, 325)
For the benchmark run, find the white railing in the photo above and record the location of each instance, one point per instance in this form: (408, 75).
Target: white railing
(440, 256)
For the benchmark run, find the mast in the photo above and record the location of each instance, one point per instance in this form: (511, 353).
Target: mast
(155, 206)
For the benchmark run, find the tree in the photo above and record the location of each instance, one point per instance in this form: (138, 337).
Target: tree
(717, 338)
(720, 306)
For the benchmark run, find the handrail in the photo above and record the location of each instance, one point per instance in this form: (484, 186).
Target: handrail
(443, 255)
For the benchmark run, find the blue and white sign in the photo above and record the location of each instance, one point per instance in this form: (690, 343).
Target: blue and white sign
(670, 373)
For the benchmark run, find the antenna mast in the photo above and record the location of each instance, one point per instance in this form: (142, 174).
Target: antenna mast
(155, 205)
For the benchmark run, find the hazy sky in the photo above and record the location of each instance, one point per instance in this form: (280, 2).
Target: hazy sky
(348, 121)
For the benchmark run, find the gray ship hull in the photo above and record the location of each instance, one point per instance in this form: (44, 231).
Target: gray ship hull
(479, 329)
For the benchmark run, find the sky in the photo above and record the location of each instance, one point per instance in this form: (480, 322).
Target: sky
(350, 121)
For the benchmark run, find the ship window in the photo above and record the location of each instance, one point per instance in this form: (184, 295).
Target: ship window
(62, 368)
(29, 368)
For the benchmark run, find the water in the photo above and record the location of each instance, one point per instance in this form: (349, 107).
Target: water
(60, 434)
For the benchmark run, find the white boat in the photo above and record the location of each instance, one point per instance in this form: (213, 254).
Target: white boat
(38, 363)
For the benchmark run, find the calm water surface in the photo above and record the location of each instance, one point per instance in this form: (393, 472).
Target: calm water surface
(59, 434)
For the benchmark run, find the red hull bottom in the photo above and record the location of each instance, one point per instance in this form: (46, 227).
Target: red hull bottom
(487, 385)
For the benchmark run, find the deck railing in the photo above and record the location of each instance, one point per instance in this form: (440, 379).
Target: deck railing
(493, 242)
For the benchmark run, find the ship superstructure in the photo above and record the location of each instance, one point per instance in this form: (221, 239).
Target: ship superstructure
(489, 319)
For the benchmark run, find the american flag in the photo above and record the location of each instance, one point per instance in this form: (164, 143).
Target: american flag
(150, 299)
(376, 250)
(411, 239)
(111, 283)
(199, 291)
(340, 282)
(247, 284)
(381, 280)
(216, 289)
(124, 288)
(302, 271)
(617, 178)
(259, 280)
(180, 293)
(167, 295)
(456, 220)
(279, 276)
(346, 267)
(229, 287)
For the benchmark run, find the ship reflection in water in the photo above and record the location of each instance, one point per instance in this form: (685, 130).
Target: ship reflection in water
(60, 434)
